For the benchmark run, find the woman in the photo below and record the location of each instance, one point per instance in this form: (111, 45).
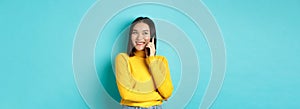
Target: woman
(143, 78)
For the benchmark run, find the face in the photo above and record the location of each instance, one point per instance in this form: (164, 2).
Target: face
(140, 36)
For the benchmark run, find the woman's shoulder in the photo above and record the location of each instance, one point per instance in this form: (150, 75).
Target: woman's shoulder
(160, 57)
(157, 59)
(122, 56)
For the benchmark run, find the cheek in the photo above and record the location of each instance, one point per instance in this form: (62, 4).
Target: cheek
(147, 39)
(133, 39)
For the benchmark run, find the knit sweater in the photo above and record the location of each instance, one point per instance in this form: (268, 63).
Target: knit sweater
(141, 81)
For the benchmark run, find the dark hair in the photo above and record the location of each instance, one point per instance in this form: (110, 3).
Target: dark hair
(150, 23)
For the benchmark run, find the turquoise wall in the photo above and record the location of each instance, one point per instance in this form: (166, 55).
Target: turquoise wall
(261, 40)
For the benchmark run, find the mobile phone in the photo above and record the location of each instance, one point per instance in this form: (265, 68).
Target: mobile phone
(147, 50)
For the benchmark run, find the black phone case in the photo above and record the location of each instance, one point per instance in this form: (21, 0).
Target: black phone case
(147, 51)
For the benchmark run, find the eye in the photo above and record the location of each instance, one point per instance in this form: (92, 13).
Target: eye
(134, 32)
(146, 33)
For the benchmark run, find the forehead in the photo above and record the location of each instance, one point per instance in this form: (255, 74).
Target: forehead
(141, 26)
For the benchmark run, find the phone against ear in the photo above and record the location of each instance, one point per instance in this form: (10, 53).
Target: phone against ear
(147, 50)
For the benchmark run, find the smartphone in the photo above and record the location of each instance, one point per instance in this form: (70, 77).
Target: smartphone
(147, 50)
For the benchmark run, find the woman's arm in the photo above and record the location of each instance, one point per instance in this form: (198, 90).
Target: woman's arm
(161, 75)
(129, 88)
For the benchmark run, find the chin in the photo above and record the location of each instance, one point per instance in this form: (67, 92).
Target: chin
(139, 49)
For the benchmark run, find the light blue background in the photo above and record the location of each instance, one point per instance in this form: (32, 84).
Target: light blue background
(261, 37)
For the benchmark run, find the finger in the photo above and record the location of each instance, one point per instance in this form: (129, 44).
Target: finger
(153, 40)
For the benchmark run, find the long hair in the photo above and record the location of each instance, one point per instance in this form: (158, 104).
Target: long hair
(150, 23)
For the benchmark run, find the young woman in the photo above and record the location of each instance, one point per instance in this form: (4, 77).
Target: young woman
(143, 78)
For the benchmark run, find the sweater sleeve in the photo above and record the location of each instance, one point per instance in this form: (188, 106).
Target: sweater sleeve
(128, 87)
(161, 75)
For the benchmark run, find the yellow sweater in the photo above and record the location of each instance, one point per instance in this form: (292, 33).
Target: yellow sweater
(139, 87)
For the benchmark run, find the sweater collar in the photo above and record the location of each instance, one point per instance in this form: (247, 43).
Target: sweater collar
(140, 54)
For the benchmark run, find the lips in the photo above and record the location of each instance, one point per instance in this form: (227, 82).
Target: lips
(140, 43)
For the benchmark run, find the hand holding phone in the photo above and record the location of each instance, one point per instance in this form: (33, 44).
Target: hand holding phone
(150, 48)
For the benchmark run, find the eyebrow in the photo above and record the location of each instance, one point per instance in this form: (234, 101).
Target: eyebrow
(142, 30)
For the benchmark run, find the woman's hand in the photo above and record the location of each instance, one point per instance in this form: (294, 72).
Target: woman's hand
(151, 45)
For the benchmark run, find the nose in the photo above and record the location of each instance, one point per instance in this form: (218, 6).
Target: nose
(140, 36)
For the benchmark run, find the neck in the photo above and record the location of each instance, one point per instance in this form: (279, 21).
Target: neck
(140, 53)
